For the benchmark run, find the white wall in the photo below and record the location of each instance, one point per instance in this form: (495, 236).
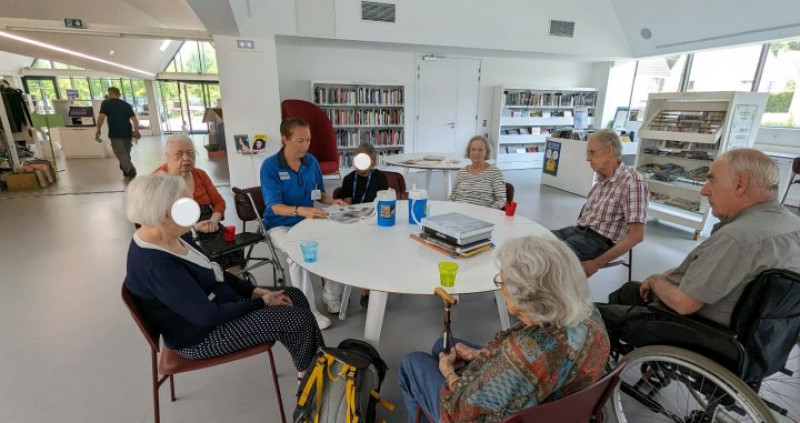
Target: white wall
(617, 90)
(248, 82)
(299, 64)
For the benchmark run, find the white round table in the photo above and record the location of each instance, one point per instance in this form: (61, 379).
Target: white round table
(449, 163)
(386, 260)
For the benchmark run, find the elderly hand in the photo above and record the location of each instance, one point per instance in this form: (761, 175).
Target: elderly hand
(467, 353)
(206, 226)
(447, 362)
(276, 299)
(644, 289)
(590, 267)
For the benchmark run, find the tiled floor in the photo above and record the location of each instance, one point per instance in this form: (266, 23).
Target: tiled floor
(71, 353)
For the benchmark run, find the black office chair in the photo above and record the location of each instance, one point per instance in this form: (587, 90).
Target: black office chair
(792, 181)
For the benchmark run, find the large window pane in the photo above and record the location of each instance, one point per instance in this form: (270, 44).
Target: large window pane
(656, 75)
(779, 79)
(731, 69)
(63, 85)
(209, 58)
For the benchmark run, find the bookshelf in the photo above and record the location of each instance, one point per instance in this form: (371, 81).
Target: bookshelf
(363, 111)
(681, 135)
(523, 119)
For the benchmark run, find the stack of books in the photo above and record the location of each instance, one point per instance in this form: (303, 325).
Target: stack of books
(456, 235)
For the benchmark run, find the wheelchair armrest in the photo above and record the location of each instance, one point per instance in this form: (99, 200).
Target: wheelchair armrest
(659, 325)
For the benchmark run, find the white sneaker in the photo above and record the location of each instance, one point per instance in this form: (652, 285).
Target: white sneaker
(322, 321)
(334, 306)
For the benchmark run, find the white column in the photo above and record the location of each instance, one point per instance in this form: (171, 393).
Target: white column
(9, 136)
(153, 106)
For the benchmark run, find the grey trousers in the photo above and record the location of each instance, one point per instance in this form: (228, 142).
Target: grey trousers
(122, 149)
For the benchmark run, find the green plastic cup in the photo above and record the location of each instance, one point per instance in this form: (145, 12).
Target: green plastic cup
(447, 273)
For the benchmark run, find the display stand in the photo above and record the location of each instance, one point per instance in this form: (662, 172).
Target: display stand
(681, 135)
(523, 119)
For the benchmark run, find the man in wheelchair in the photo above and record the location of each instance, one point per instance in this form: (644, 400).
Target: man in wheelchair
(747, 328)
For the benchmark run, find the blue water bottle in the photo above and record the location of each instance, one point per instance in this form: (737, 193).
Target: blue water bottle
(417, 205)
(386, 207)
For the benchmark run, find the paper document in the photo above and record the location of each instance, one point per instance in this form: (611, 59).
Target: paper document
(350, 214)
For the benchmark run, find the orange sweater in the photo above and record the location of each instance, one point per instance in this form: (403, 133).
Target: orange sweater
(205, 193)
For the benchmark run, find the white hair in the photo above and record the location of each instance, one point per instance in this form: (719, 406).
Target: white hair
(175, 138)
(763, 174)
(149, 198)
(545, 280)
(609, 138)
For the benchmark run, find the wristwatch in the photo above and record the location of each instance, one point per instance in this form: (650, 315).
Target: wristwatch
(296, 212)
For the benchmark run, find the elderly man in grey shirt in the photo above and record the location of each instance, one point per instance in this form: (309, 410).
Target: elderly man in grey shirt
(755, 234)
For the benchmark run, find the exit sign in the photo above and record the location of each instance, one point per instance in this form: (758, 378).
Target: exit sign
(73, 23)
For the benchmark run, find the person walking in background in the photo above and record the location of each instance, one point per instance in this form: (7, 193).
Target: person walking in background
(123, 127)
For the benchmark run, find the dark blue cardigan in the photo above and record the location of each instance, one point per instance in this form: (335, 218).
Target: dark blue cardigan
(172, 294)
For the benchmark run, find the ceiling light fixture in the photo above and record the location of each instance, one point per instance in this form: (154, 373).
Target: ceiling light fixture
(72, 53)
(164, 45)
(111, 52)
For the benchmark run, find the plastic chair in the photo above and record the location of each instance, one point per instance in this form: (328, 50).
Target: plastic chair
(249, 208)
(582, 406)
(171, 363)
(323, 139)
(792, 181)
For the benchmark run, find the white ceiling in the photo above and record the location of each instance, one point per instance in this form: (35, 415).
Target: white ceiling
(604, 28)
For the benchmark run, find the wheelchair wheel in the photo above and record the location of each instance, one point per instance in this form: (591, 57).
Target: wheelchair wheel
(781, 391)
(669, 384)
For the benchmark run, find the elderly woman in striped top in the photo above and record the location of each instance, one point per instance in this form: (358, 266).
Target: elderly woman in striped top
(479, 183)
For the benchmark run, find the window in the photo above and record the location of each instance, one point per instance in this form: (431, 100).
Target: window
(656, 75)
(194, 57)
(731, 69)
(52, 64)
(779, 79)
(75, 83)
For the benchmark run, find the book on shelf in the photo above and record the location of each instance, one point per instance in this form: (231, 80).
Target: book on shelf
(535, 130)
(461, 228)
(532, 149)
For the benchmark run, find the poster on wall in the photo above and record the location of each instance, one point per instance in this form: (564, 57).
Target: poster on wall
(259, 142)
(72, 94)
(742, 123)
(242, 143)
(552, 155)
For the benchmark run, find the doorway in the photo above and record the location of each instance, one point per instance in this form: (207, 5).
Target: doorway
(183, 104)
(448, 94)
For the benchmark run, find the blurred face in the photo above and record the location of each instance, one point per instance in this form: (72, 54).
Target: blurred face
(599, 156)
(477, 151)
(180, 157)
(296, 146)
(722, 190)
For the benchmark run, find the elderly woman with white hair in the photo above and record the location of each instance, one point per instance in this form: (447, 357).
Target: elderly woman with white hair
(181, 157)
(201, 310)
(559, 346)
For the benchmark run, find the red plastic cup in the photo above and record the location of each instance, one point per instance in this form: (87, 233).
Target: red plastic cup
(511, 208)
(229, 233)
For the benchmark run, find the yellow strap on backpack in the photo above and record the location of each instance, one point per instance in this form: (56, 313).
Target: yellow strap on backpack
(350, 396)
(316, 373)
(389, 406)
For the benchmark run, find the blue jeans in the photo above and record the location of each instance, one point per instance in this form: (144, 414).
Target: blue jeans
(421, 381)
(586, 243)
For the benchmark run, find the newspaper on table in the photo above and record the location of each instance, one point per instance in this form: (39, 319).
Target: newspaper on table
(351, 213)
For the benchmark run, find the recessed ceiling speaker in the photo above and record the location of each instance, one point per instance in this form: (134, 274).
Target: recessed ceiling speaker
(646, 34)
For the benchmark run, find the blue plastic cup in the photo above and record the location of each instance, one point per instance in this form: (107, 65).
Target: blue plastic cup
(309, 249)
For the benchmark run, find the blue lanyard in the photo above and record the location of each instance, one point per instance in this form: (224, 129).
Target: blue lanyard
(364, 194)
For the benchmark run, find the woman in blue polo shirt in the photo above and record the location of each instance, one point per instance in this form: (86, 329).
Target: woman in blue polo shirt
(290, 182)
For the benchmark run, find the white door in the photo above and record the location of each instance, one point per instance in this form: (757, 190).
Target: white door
(447, 104)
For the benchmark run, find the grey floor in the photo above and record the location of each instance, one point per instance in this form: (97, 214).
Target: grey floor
(71, 353)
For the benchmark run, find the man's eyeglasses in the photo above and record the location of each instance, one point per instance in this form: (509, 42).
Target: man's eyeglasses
(497, 280)
(178, 154)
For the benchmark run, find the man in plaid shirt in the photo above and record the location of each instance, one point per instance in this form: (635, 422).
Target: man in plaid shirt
(613, 219)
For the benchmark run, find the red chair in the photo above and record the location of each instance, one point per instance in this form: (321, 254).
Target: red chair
(582, 406)
(171, 363)
(323, 139)
(792, 181)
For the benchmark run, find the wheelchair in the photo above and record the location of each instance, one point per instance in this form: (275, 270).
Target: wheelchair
(688, 369)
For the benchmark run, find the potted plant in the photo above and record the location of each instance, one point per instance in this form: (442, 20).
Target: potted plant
(214, 149)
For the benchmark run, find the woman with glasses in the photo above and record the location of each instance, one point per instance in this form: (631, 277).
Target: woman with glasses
(558, 346)
(181, 156)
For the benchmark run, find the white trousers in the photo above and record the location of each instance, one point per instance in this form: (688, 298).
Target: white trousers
(301, 278)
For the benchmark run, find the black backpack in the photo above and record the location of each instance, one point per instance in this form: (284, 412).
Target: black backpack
(343, 385)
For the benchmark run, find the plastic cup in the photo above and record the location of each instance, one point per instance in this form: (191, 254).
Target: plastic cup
(447, 273)
(309, 249)
(511, 208)
(229, 233)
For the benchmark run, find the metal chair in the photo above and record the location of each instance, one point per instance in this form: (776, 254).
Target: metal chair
(249, 208)
(171, 363)
(582, 406)
(792, 181)
(628, 264)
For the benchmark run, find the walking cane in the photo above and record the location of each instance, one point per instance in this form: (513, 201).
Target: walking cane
(449, 301)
